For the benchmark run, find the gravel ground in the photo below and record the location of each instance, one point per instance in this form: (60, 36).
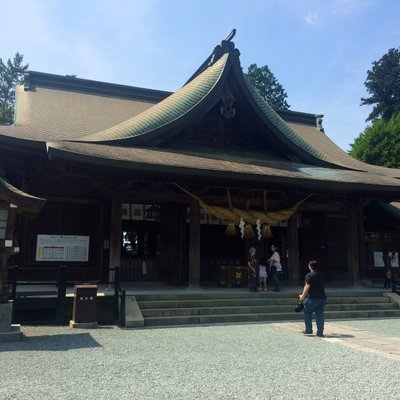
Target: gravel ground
(257, 361)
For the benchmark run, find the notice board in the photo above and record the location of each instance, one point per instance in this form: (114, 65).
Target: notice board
(62, 248)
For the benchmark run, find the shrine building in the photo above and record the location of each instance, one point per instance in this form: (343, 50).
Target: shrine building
(175, 187)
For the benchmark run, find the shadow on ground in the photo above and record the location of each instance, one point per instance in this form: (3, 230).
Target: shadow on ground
(52, 343)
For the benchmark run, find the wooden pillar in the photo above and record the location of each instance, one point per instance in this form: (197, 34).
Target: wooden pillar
(100, 242)
(362, 244)
(194, 245)
(172, 231)
(115, 234)
(353, 246)
(293, 249)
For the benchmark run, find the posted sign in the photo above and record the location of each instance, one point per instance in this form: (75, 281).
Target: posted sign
(62, 248)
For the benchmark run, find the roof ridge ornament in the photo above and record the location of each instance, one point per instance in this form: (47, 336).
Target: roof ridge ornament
(226, 46)
(319, 123)
(230, 36)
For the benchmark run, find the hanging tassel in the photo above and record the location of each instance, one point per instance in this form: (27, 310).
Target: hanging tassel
(241, 227)
(249, 231)
(230, 229)
(258, 228)
(266, 232)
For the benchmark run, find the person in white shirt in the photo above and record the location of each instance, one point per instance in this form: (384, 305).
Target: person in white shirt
(275, 268)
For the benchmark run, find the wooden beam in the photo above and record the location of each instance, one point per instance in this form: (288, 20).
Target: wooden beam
(293, 249)
(194, 245)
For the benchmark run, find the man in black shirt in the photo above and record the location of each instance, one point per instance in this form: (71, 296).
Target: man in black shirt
(314, 299)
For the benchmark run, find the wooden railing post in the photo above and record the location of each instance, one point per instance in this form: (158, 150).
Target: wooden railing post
(121, 319)
(117, 289)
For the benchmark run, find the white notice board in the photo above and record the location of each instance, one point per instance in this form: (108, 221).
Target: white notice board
(62, 248)
(378, 259)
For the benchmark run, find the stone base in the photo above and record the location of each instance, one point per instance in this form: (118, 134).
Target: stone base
(13, 335)
(133, 314)
(83, 325)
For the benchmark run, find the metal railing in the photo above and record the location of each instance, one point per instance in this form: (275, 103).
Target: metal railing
(395, 280)
(119, 296)
(60, 289)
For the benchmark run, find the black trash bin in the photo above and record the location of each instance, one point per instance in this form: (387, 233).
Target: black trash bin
(84, 309)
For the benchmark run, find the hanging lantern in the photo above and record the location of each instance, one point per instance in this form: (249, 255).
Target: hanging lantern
(249, 231)
(266, 232)
(230, 229)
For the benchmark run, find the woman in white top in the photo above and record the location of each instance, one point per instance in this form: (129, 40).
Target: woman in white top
(275, 268)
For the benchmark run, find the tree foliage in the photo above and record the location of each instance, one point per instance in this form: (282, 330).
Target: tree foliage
(11, 73)
(379, 144)
(266, 84)
(383, 84)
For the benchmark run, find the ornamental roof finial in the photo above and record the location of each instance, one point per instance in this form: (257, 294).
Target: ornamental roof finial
(231, 35)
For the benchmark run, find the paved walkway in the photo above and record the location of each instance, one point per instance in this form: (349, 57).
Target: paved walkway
(355, 338)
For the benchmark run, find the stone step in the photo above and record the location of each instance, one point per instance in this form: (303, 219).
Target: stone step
(231, 307)
(265, 317)
(159, 312)
(261, 301)
(232, 294)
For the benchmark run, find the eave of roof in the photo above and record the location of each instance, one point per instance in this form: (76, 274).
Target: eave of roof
(12, 140)
(25, 202)
(172, 162)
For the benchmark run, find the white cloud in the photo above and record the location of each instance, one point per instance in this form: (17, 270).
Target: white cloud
(311, 18)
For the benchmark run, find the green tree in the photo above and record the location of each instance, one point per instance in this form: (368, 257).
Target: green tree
(383, 84)
(11, 73)
(379, 144)
(267, 86)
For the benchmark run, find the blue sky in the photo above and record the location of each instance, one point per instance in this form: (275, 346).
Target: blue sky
(319, 50)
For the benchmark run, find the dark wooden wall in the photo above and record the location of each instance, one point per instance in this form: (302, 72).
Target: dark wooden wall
(64, 219)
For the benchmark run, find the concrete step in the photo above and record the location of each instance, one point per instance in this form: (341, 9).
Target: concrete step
(233, 294)
(268, 317)
(230, 307)
(160, 312)
(260, 301)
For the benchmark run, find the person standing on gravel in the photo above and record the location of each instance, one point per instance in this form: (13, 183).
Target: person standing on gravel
(275, 268)
(252, 268)
(314, 299)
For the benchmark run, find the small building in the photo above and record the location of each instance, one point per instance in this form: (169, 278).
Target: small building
(153, 181)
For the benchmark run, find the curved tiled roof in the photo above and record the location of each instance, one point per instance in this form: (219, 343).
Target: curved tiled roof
(334, 154)
(299, 135)
(280, 124)
(315, 142)
(171, 109)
